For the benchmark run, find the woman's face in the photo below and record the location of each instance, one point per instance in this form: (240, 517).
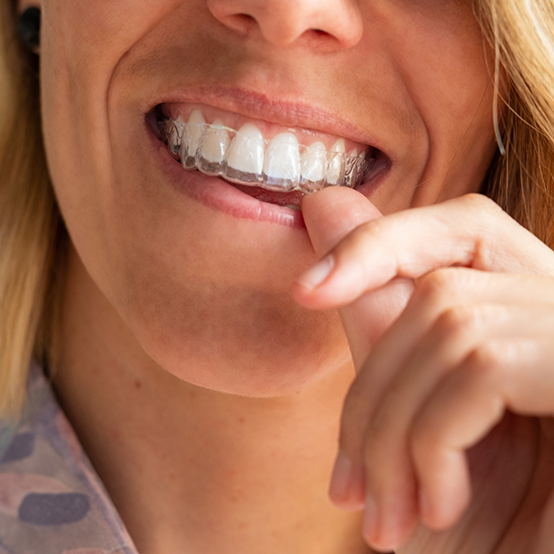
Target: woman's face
(199, 270)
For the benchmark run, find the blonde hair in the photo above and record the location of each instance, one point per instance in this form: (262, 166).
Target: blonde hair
(32, 236)
(30, 231)
(522, 180)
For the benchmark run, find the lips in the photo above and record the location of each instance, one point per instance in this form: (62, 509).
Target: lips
(258, 154)
(257, 198)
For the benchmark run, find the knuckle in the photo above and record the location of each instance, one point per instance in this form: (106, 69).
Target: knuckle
(486, 367)
(476, 202)
(487, 357)
(374, 226)
(456, 321)
(367, 229)
(438, 286)
(482, 209)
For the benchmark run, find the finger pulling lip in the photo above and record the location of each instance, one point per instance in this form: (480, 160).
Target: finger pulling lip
(253, 202)
(245, 202)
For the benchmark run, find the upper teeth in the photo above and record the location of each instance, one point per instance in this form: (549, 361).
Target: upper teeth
(246, 152)
(245, 157)
(282, 159)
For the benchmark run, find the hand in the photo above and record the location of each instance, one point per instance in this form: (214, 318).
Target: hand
(474, 342)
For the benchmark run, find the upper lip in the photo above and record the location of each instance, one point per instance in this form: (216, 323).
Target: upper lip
(256, 105)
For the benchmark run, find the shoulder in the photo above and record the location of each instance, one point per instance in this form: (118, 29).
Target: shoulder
(51, 500)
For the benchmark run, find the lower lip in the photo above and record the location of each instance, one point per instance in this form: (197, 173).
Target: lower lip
(222, 196)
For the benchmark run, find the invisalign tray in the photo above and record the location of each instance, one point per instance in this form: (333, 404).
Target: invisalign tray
(280, 165)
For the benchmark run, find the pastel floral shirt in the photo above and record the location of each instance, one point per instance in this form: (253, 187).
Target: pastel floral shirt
(51, 500)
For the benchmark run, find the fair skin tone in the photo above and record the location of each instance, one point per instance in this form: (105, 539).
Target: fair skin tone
(207, 395)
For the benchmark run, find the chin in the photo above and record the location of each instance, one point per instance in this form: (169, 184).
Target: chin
(269, 358)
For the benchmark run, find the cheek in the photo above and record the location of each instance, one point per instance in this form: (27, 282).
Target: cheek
(82, 43)
(437, 48)
(446, 68)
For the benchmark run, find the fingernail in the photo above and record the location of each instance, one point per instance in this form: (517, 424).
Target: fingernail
(370, 528)
(314, 276)
(382, 529)
(342, 475)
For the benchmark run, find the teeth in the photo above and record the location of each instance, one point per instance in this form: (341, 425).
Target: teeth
(192, 133)
(335, 169)
(313, 164)
(282, 162)
(245, 157)
(175, 133)
(354, 170)
(214, 143)
(213, 148)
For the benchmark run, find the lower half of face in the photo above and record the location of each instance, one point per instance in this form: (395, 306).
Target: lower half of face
(181, 136)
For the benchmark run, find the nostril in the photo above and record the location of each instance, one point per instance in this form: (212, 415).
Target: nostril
(241, 23)
(320, 40)
(246, 19)
(247, 23)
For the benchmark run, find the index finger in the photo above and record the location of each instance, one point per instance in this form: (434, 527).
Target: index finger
(470, 231)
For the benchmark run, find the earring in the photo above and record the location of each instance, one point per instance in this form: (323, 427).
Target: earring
(28, 28)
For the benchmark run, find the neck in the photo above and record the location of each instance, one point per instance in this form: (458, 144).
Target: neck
(194, 470)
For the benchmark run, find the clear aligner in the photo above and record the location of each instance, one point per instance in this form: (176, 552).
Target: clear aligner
(244, 157)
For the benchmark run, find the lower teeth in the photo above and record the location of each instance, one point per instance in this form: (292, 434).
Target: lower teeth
(282, 169)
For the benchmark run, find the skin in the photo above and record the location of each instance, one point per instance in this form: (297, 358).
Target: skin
(446, 438)
(170, 305)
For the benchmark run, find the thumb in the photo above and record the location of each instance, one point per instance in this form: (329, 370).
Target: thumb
(334, 212)
(330, 215)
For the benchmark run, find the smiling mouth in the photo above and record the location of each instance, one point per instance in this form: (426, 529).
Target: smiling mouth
(261, 155)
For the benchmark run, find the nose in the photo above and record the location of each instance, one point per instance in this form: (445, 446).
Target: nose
(282, 22)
